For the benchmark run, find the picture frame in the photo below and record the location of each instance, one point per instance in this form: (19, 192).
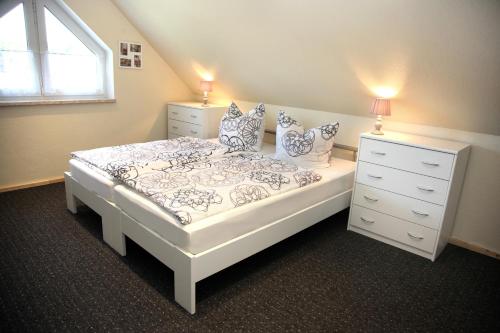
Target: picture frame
(130, 55)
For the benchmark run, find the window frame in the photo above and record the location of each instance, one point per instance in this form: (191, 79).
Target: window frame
(36, 37)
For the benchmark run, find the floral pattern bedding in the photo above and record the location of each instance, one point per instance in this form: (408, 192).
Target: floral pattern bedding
(194, 178)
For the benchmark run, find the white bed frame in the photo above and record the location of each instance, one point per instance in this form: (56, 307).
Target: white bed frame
(190, 268)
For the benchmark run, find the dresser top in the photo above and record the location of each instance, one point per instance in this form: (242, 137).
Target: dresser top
(419, 141)
(197, 105)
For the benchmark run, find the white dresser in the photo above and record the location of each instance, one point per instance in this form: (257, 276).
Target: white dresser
(192, 119)
(407, 190)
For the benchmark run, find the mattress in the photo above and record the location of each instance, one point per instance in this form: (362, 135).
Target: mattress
(93, 179)
(101, 183)
(220, 228)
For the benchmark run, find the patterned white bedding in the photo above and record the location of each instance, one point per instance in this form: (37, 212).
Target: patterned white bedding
(195, 178)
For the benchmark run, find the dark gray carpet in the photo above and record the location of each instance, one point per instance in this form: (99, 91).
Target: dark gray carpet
(57, 275)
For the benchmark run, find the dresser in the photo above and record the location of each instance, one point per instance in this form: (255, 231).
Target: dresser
(192, 119)
(407, 189)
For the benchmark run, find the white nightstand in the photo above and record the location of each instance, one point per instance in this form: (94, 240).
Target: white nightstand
(406, 190)
(192, 119)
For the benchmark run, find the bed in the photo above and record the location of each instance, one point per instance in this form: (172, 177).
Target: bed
(198, 250)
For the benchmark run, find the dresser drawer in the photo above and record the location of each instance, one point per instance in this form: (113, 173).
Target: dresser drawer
(184, 129)
(410, 184)
(173, 136)
(413, 210)
(190, 115)
(422, 161)
(391, 227)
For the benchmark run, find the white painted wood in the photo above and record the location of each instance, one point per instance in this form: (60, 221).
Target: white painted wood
(392, 196)
(235, 250)
(192, 119)
(403, 207)
(422, 161)
(453, 199)
(402, 182)
(412, 234)
(189, 269)
(110, 214)
(419, 141)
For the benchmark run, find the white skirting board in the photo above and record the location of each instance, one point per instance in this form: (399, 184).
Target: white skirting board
(189, 268)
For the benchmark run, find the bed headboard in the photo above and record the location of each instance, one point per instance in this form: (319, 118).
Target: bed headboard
(348, 149)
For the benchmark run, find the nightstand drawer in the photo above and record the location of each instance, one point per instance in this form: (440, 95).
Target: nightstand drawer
(401, 231)
(416, 186)
(413, 210)
(422, 161)
(190, 115)
(184, 129)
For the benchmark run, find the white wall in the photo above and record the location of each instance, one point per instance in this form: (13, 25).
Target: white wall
(477, 221)
(35, 141)
(442, 56)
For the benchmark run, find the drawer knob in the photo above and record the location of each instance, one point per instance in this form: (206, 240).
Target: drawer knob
(426, 189)
(364, 219)
(419, 213)
(193, 116)
(194, 132)
(415, 236)
(374, 176)
(175, 112)
(374, 152)
(370, 198)
(430, 163)
(175, 127)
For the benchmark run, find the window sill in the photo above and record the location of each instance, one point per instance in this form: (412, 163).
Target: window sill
(57, 101)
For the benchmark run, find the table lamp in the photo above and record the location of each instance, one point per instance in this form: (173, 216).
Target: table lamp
(206, 87)
(380, 107)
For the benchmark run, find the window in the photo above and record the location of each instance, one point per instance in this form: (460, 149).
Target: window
(47, 52)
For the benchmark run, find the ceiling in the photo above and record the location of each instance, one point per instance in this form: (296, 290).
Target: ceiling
(440, 58)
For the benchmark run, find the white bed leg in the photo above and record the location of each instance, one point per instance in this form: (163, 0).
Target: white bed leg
(185, 290)
(112, 230)
(72, 202)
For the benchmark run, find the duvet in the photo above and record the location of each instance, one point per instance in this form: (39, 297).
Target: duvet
(194, 178)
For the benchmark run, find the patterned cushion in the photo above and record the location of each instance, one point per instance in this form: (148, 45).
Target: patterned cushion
(242, 132)
(308, 149)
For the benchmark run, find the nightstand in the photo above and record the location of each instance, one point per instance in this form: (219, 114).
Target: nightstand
(407, 189)
(192, 119)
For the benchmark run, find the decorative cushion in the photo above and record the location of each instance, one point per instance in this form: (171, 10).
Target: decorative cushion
(242, 132)
(308, 149)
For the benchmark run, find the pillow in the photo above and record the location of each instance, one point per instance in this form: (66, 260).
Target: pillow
(308, 149)
(242, 132)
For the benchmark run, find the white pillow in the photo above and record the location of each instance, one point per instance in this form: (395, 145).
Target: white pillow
(308, 149)
(242, 132)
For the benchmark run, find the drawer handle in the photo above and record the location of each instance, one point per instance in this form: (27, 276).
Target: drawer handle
(373, 176)
(370, 198)
(430, 163)
(426, 189)
(419, 213)
(193, 116)
(378, 153)
(175, 127)
(175, 112)
(366, 220)
(415, 236)
(194, 132)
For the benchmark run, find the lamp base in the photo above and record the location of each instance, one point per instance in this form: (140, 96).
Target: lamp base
(205, 99)
(378, 126)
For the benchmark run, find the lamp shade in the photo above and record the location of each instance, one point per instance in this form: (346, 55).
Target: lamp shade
(381, 107)
(206, 85)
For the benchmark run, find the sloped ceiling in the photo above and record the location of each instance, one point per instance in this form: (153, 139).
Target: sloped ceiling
(441, 57)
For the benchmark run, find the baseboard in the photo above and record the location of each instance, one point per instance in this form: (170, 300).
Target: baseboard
(31, 184)
(474, 248)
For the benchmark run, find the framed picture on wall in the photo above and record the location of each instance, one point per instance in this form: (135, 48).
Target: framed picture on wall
(130, 55)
